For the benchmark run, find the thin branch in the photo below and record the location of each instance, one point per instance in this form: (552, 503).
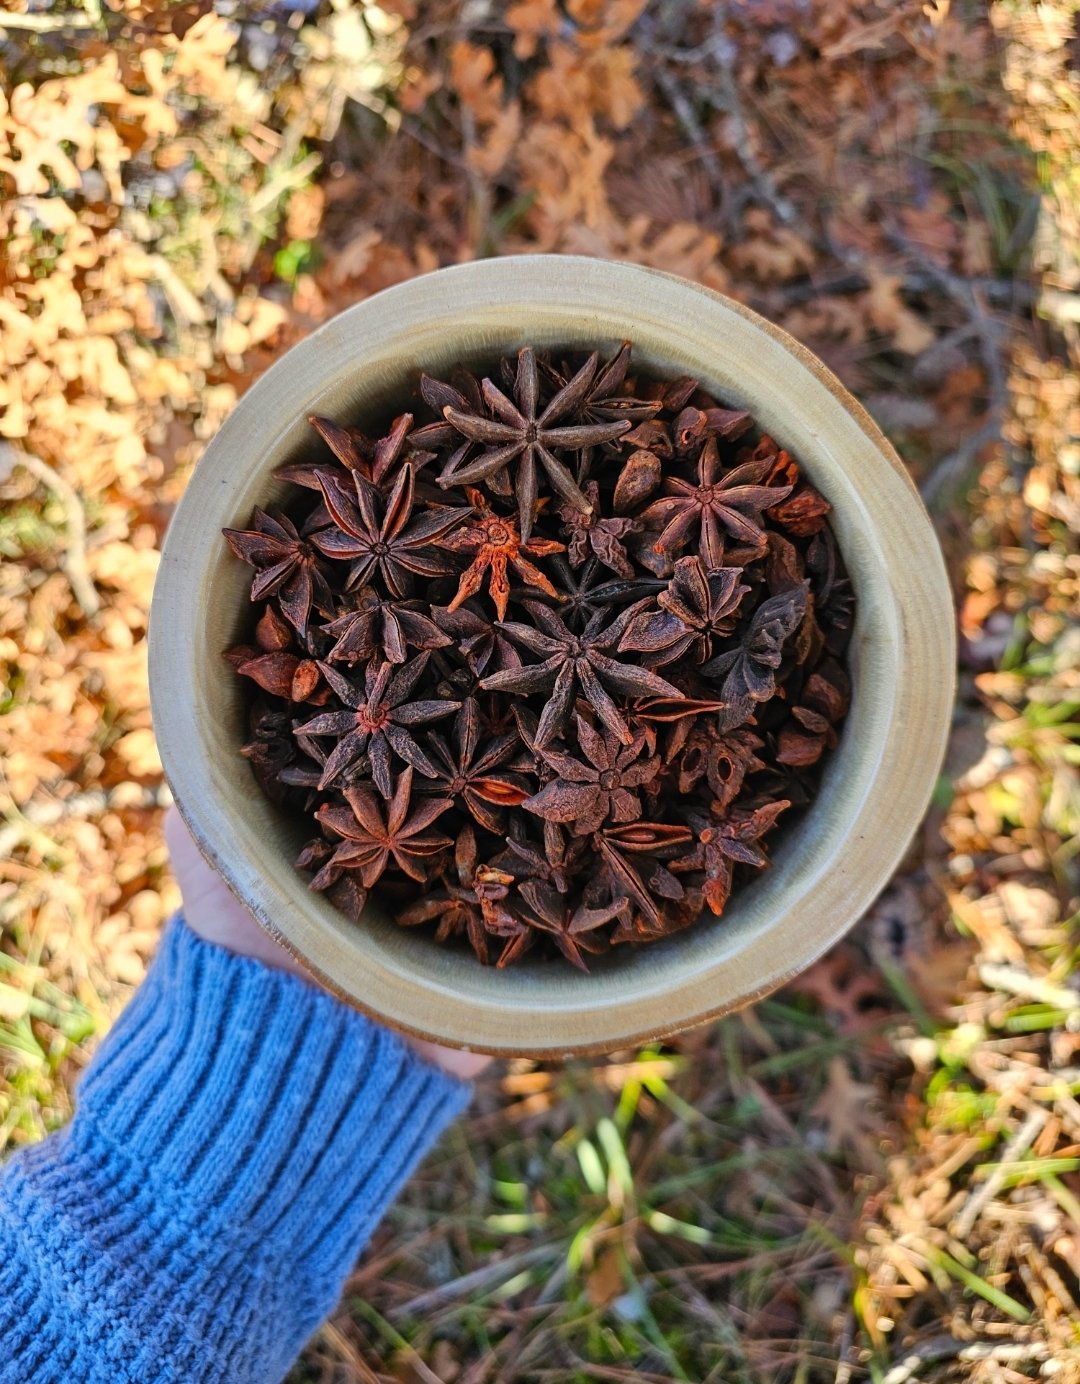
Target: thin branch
(940, 1348)
(73, 562)
(1017, 1145)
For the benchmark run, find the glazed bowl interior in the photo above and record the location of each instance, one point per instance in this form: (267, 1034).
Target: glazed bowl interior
(826, 868)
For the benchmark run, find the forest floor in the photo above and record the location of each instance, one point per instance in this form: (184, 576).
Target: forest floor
(875, 1173)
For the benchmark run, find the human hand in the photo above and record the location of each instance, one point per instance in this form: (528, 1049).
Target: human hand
(213, 912)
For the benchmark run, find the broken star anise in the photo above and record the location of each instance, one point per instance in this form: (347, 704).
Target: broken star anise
(543, 654)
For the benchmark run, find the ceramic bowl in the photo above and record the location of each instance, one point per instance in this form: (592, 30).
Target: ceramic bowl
(826, 870)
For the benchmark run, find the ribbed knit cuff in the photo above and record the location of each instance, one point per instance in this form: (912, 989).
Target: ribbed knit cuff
(238, 1136)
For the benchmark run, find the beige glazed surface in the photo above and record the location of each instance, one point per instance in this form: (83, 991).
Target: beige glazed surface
(827, 869)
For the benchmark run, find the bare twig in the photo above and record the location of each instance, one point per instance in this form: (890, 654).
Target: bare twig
(949, 1348)
(73, 562)
(1017, 1145)
(477, 1281)
(719, 55)
(337, 1340)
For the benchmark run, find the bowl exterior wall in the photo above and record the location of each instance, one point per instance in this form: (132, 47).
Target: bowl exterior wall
(876, 788)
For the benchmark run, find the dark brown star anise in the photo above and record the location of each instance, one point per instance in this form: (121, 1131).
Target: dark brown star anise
(288, 566)
(377, 721)
(576, 662)
(720, 846)
(385, 542)
(374, 627)
(629, 602)
(573, 930)
(717, 504)
(589, 792)
(749, 670)
(474, 905)
(632, 857)
(480, 782)
(517, 432)
(697, 609)
(590, 531)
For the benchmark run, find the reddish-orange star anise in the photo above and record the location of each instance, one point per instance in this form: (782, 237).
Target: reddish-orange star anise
(495, 540)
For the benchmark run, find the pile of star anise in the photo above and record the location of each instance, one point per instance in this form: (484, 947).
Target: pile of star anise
(545, 662)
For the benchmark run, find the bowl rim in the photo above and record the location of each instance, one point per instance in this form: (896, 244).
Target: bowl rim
(570, 1020)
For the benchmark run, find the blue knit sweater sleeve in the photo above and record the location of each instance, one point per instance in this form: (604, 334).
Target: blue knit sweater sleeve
(237, 1137)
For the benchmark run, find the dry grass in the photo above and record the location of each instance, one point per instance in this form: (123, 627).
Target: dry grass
(876, 1173)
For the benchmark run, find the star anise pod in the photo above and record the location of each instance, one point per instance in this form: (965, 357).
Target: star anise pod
(479, 782)
(576, 662)
(603, 536)
(379, 720)
(288, 566)
(373, 458)
(598, 788)
(583, 592)
(632, 857)
(379, 537)
(718, 504)
(750, 670)
(697, 607)
(694, 426)
(284, 674)
(720, 846)
(554, 863)
(605, 402)
(519, 433)
(373, 832)
(572, 929)
(805, 510)
(721, 758)
(375, 628)
(481, 643)
(498, 545)
(822, 705)
(474, 906)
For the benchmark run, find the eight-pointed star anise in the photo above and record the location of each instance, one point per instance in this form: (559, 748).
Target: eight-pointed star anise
(573, 930)
(589, 792)
(373, 831)
(574, 662)
(716, 505)
(696, 608)
(378, 721)
(518, 432)
(371, 627)
(388, 542)
(480, 781)
(288, 566)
